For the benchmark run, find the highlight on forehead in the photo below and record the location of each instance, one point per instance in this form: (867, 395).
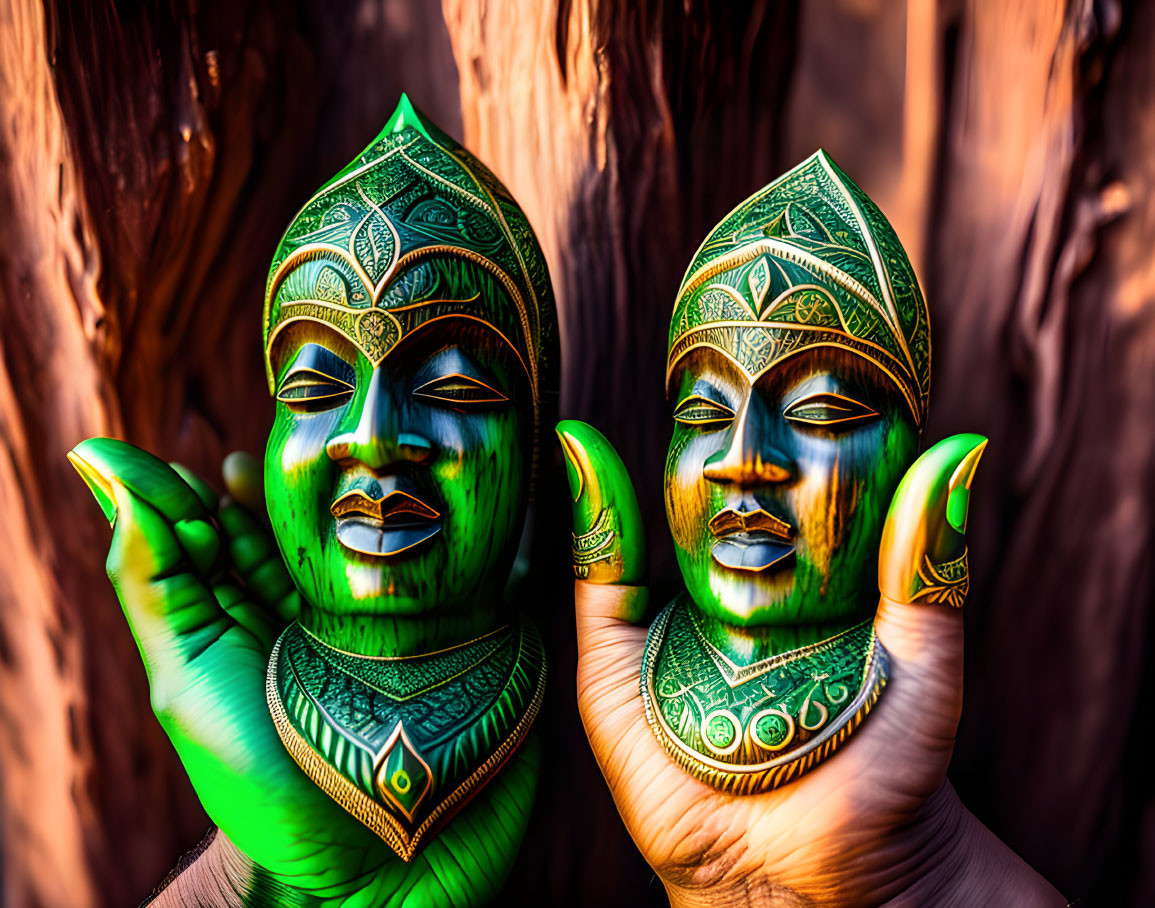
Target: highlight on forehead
(753, 367)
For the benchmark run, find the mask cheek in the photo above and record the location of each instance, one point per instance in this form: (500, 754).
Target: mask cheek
(688, 507)
(825, 507)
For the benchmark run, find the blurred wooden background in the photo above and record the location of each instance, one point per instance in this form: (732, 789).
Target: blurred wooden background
(152, 153)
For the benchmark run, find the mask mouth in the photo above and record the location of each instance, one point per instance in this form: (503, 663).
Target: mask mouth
(751, 540)
(393, 523)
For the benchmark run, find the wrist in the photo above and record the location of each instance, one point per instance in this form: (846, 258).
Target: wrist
(968, 865)
(221, 876)
(945, 858)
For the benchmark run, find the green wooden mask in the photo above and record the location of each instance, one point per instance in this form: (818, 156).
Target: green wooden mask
(409, 335)
(410, 343)
(798, 376)
(798, 373)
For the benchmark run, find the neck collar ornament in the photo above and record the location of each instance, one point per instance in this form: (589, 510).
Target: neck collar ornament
(404, 743)
(746, 729)
(807, 261)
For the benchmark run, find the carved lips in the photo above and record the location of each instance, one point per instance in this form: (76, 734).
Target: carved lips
(388, 525)
(750, 540)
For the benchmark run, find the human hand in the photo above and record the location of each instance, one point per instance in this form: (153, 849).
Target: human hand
(875, 823)
(206, 595)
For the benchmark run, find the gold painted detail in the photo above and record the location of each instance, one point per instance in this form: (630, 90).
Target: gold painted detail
(596, 545)
(943, 584)
(402, 777)
(400, 794)
(415, 215)
(752, 728)
(807, 261)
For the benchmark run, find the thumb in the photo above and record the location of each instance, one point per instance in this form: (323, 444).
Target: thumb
(608, 559)
(923, 581)
(164, 549)
(608, 540)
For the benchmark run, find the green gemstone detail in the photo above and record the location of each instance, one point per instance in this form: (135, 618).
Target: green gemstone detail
(402, 776)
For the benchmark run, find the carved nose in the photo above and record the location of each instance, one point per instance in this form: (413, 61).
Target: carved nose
(377, 440)
(750, 459)
(748, 472)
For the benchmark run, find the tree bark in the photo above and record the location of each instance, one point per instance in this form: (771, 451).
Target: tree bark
(1008, 144)
(150, 157)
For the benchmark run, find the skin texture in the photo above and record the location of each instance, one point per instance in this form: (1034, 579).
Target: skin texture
(877, 823)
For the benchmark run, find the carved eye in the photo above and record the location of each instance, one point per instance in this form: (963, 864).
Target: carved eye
(827, 410)
(701, 411)
(458, 390)
(308, 389)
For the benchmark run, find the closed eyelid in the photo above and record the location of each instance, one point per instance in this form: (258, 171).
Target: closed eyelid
(303, 373)
(827, 408)
(709, 401)
(709, 391)
(697, 410)
(453, 361)
(456, 381)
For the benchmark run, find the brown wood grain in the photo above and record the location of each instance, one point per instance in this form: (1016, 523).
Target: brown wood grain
(150, 155)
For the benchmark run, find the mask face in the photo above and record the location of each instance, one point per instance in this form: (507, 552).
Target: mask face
(409, 335)
(399, 489)
(410, 339)
(777, 486)
(797, 374)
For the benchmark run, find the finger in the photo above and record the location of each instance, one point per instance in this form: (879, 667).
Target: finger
(202, 489)
(923, 579)
(608, 540)
(608, 553)
(101, 462)
(162, 542)
(245, 481)
(252, 555)
(257, 561)
(252, 616)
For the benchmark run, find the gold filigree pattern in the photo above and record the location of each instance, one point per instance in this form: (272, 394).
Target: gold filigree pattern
(414, 230)
(807, 261)
(944, 584)
(752, 728)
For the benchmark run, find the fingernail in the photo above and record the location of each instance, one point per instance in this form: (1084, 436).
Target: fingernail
(607, 533)
(959, 496)
(573, 473)
(98, 484)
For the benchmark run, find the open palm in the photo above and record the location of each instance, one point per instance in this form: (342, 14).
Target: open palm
(876, 822)
(206, 595)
